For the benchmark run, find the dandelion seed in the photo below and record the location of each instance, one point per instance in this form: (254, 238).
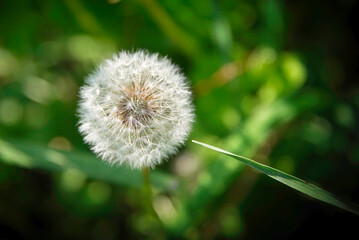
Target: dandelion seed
(135, 109)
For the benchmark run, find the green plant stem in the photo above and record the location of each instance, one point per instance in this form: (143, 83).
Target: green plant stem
(159, 228)
(148, 191)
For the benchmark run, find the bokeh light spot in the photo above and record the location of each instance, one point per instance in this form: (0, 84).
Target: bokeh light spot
(11, 111)
(98, 192)
(72, 180)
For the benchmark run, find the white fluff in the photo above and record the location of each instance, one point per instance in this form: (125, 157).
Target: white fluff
(135, 109)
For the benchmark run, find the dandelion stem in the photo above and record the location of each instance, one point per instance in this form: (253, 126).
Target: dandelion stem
(148, 191)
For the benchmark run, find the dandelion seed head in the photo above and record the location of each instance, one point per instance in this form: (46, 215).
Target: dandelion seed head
(135, 109)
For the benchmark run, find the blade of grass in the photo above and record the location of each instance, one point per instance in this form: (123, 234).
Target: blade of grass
(175, 33)
(84, 17)
(291, 181)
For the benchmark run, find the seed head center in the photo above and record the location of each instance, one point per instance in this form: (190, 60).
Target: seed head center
(137, 107)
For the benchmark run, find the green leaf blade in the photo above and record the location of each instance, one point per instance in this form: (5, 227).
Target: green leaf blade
(38, 156)
(291, 181)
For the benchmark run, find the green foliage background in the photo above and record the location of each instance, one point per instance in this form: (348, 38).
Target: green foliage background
(272, 80)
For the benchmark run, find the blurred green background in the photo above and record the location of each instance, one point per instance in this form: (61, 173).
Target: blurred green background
(276, 81)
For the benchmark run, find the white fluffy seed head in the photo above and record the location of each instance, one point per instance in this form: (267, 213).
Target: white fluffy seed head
(135, 109)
